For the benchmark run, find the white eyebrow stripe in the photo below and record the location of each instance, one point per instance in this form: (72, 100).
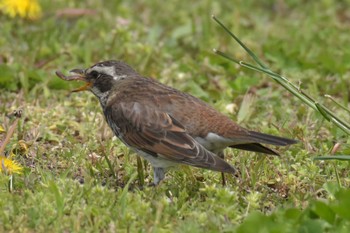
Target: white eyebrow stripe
(109, 70)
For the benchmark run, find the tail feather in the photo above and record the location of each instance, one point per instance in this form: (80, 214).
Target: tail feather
(270, 139)
(255, 147)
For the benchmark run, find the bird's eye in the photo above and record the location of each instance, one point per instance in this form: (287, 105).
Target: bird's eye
(94, 74)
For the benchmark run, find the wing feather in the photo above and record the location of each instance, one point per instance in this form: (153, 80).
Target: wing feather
(149, 130)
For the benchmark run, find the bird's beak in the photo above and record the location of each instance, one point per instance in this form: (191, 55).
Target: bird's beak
(77, 74)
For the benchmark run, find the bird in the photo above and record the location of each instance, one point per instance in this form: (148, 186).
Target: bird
(163, 125)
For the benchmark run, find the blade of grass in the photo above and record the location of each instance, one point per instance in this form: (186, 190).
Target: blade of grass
(322, 111)
(140, 173)
(296, 91)
(17, 114)
(239, 42)
(333, 157)
(334, 101)
(110, 166)
(325, 112)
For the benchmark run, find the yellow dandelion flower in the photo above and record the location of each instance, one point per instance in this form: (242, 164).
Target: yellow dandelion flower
(28, 9)
(2, 130)
(9, 166)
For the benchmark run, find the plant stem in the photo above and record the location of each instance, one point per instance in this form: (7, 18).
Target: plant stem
(284, 82)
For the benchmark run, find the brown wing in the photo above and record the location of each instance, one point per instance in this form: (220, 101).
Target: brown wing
(149, 130)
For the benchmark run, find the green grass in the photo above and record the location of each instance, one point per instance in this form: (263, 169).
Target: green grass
(78, 178)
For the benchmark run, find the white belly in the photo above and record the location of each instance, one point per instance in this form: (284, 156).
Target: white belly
(155, 161)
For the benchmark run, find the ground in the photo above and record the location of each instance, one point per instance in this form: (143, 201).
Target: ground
(77, 177)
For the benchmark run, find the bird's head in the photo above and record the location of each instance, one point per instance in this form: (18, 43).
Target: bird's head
(101, 77)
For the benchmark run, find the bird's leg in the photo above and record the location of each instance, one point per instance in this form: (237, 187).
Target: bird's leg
(158, 174)
(222, 155)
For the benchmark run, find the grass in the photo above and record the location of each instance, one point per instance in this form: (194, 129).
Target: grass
(297, 91)
(79, 178)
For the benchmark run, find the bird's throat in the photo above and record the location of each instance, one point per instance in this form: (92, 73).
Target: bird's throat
(102, 96)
